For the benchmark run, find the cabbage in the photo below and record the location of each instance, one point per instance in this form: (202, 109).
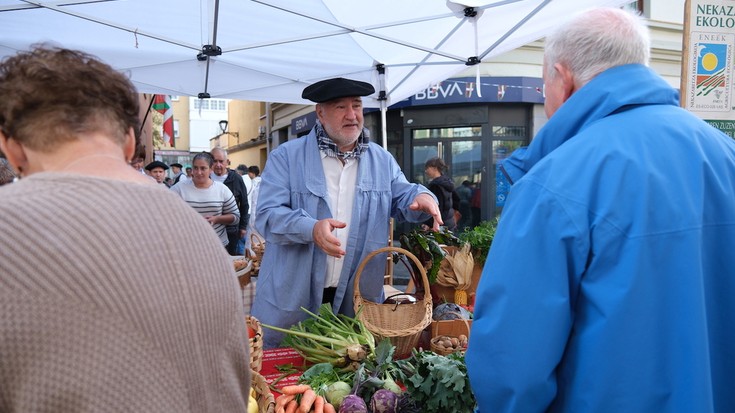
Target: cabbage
(450, 311)
(383, 401)
(353, 404)
(336, 392)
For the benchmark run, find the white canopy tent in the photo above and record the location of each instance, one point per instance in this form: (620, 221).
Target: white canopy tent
(269, 50)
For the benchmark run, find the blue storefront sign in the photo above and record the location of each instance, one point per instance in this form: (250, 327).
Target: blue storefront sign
(489, 90)
(303, 124)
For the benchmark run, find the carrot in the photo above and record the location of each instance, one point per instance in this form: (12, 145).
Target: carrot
(307, 399)
(295, 389)
(319, 404)
(329, 408)
(291, 407)
(283, 400)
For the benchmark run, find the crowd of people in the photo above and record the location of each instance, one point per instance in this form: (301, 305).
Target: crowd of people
(607, 288)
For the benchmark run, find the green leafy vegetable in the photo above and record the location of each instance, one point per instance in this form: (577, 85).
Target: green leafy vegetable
(438, 383)
(425, 245)
(329, 338)
(480, 238)
(377, 374)
(334, 384)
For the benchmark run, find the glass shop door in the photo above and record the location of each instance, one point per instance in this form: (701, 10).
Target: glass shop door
(461, 150)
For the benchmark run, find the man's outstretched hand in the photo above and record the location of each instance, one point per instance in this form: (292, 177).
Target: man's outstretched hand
(425, 202)
(324, 238)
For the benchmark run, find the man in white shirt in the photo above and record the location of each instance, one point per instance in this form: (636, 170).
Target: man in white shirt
(324, 203)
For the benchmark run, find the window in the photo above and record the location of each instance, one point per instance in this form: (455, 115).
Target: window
(210, 104)
(501, 131)
(461, 132)
(636, 5)
(176, 128)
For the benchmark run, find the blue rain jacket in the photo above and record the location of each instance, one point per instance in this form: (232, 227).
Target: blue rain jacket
(293, 196)
(610, 284)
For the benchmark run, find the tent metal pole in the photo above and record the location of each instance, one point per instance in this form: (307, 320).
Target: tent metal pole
(383, 99)
(383, 124)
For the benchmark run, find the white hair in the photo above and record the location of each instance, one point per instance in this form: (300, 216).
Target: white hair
(221, 149)
(597, 40)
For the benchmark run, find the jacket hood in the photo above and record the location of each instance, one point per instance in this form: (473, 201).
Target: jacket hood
(601, 97)
(444, 182)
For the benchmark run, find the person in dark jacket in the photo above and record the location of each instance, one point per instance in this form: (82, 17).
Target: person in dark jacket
(177, 170)
(232, 180)
(443, 187)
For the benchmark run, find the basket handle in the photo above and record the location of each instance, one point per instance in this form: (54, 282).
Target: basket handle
(249, 253)
(407, 253)
(255, 237)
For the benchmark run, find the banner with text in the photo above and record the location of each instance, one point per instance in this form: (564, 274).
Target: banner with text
(707, 88)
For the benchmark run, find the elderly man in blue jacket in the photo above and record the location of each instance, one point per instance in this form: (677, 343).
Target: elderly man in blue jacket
(325, 202)
(610, 282)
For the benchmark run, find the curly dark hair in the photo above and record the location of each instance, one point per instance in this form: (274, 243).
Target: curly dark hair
(52, 95)
(437, 163)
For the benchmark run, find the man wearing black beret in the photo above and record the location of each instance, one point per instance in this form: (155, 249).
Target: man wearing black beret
(324, 203)
(176, 168)
(157, 170)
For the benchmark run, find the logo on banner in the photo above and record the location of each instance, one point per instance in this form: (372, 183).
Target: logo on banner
(712, 72)
(711, 68)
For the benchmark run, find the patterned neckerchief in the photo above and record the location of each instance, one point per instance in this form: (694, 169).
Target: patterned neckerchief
(330, 148)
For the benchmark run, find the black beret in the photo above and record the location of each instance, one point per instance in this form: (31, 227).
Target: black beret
(156, 164)
(176, 164)
(326, 90)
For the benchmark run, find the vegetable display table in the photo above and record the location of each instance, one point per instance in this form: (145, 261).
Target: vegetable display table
(277, 357)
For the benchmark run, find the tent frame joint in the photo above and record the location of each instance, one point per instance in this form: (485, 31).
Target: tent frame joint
(209, 50)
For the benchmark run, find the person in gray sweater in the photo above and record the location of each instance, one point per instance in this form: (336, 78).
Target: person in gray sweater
(103, 308)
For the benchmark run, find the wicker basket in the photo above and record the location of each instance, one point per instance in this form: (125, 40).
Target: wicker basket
(243, 274)
(255, 253)
(435, 337)
(401, 323)
(256, 343)
(266, 402)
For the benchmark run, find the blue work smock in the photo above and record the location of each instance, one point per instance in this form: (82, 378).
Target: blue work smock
(293, 197)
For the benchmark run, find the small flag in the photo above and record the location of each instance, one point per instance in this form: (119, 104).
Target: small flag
(501, 92)
(162, 104)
